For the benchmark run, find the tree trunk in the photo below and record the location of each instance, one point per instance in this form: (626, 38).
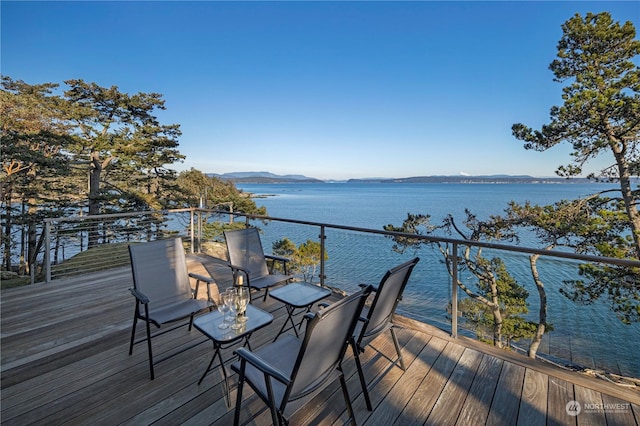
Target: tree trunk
(497, 328)
(95, 172)
(627, 194)
(7, 229)
(32, 238)
(497, 315)
(542, 314)
(493, 304)
(632, 211)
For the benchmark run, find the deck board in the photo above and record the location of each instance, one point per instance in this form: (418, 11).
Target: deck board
(506, 401)
(589, 396)
(418, 408)
(560, 393)
(451, 400)
(64, 359)
(393, 405)
(533, 404)
(618, 415)
(478, 400)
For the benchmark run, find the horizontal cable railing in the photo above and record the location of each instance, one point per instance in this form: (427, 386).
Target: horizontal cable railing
(82, 244)
(359, 255)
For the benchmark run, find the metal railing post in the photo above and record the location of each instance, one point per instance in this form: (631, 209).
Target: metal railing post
(192, 231)
(322, 248)
(200, 215)
(47, 250)
(454, 291)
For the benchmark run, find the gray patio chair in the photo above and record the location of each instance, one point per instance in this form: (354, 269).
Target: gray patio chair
(291, 371)
(162, 290)
(247, 259)
(378, 318)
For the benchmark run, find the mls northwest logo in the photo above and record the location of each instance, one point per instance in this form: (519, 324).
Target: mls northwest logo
(573, 408)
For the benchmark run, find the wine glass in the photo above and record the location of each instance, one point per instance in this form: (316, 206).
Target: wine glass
(230, 301)
(243, 300)
(223, 308)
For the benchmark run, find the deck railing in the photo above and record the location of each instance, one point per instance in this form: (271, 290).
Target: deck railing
(357, 255)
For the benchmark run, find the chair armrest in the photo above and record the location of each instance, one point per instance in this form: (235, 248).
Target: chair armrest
(261, 365)
(208, 280)
(238, 268)
(374, 288)
(199, 277)
(277, 258)
(139, 296)
(235, 269)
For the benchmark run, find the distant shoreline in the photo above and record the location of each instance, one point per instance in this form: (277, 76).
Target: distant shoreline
(429, 179)
(271, 178)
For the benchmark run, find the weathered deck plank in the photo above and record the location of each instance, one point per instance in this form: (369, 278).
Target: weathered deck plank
(451, 400)
(478, 400)
(418, 408)
(533, 405)
(560, 393)
(393, 405)
(506, 401)
(64, 359)
(589, 396)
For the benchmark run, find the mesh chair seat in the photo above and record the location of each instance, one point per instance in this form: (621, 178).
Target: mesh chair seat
(178, 311)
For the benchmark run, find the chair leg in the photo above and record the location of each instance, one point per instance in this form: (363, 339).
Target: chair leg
(363, 383)
(236, 415)
(146, 310)
(276, 418)
(133, 330)
(347, 400)
(395, 343)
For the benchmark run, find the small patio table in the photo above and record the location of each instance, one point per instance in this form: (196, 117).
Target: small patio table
(298, 295)
(208, 325)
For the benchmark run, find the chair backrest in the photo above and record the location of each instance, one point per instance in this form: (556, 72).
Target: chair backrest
(245, 250)
(325, 342)
(160, 272)
(386, 299)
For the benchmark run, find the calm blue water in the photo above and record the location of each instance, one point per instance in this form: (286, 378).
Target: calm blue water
(588, 335)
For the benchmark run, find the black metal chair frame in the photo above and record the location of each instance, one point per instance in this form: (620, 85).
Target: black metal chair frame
(253, 264)
(159, 270)
(379, 318)
(289, 372)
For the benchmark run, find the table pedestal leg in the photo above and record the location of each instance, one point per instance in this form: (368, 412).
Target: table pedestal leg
(225, 384)
(290, 310)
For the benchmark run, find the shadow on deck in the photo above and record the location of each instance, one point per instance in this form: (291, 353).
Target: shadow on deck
(64, 351)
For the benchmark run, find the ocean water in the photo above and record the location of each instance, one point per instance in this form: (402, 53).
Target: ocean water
(589, 336)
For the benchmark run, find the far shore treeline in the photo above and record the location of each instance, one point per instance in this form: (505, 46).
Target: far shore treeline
(76, 147)
(270, 178)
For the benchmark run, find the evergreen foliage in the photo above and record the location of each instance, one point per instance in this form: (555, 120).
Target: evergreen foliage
(304, 259)
(92, 150)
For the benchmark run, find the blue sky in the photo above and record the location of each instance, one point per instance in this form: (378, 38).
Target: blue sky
(331, 90)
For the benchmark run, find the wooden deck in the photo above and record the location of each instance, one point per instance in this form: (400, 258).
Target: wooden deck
(64, 350)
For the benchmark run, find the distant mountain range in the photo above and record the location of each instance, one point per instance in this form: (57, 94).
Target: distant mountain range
(264, 177)
(267, 177)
